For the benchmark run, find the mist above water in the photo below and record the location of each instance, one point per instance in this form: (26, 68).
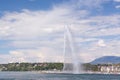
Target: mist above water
(71, 60)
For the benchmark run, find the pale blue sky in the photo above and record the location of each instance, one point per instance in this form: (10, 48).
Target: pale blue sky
(36, 28)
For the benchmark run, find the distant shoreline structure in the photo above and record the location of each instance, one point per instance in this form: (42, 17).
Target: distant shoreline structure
(58, 68)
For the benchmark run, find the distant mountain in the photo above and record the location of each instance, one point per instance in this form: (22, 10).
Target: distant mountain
(106, 59)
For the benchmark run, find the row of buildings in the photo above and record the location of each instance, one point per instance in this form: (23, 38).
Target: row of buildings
(109, 68)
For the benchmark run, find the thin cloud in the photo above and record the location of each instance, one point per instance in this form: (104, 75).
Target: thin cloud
(117, 7)
(39, 34)
(117, 0)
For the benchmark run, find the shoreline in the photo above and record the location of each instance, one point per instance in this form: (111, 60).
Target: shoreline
(61, 72)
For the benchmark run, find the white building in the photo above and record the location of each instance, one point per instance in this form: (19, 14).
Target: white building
(110, 68)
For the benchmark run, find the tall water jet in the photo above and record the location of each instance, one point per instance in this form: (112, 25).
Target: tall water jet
(71, 60)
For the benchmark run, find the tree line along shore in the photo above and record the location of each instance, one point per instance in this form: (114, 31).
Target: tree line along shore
(54, 67)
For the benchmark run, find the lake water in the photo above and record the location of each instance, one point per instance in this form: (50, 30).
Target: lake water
(41, 76)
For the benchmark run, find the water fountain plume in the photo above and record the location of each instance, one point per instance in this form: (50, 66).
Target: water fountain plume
(71, 60)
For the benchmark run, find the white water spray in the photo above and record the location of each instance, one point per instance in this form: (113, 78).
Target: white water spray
(71, 61)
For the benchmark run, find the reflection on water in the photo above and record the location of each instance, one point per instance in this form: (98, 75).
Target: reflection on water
(41, 76)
